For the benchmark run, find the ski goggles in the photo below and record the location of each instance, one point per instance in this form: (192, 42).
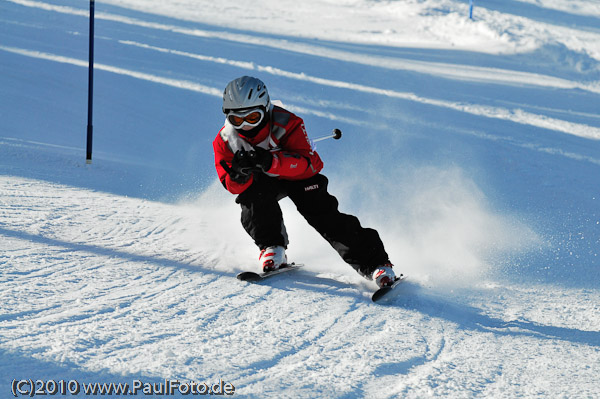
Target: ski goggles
(250, 118)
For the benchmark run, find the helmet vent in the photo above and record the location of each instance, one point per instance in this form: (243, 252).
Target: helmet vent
(250, 94)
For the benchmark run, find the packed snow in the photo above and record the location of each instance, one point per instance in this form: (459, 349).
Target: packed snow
(471, 145)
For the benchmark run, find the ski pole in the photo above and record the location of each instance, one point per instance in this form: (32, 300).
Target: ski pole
(336, 134)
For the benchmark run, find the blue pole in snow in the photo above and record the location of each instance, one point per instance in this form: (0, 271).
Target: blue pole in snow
(470, 9)
(90, 128)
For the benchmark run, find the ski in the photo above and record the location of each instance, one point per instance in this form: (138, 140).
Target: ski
(255, 277)
(385, 292)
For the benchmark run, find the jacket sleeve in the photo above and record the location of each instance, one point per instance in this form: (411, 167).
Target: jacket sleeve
(296, 160)
(224, 154)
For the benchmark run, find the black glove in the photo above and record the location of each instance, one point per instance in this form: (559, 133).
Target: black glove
(245, 163)
(241, 168)
(233, 175)
(261, 158)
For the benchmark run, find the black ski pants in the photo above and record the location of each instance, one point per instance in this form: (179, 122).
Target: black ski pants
(262, 219)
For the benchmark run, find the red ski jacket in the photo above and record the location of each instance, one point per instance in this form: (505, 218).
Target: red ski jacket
(284, 135)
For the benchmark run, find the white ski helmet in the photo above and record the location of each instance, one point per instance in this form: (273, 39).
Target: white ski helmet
(246, 92)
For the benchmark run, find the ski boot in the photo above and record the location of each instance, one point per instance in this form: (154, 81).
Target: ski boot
(384, 275)
(271, 258)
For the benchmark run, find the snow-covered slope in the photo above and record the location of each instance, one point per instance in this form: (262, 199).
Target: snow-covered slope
(471, 145)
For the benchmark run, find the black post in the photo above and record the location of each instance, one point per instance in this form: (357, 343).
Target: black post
(90, 128)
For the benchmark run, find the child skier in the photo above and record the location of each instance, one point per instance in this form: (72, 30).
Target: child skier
(263, 154)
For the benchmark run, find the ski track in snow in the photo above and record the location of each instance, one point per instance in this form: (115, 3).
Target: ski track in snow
(99, 287)
(515, 115)
(452, 71)
(106, 284)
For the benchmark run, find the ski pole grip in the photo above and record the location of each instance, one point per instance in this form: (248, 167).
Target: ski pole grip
(336, 134)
